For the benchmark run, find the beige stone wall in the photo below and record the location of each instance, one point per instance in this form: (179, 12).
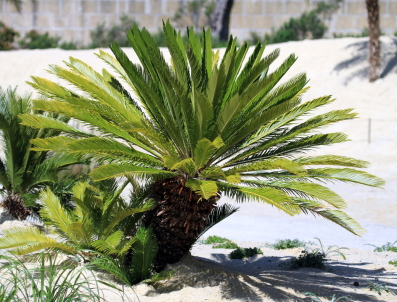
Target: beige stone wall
(74, 19)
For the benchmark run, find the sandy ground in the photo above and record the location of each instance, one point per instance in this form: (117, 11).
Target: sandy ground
(337, 67)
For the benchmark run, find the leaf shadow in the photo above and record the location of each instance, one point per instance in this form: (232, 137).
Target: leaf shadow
(360, 55)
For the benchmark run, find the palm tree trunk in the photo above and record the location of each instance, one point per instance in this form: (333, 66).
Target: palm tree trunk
(178, 219)
(221, 19)
(15, 206)
(374, 43)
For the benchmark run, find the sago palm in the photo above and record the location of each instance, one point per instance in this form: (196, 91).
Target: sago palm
(23, 172)
(202, 127)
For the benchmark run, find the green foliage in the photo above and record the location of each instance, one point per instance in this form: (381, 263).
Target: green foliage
(103, 37)
(24, 171)
(241, 253)
(334, 298)
(288, 244)
(34, 40)
(380, 287)
(222, 125)
(310, 25)
(98, 221)
(50, 280)
(68, 45)
(393, 262)
(140, 267)
(314, 259)
(215, 239)
(226, 245)
(388, 247)
(7, 37)
(364, 33)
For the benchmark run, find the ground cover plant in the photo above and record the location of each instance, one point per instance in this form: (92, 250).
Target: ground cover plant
(282, 244)
(388, 247)
(200, 128)
(214, 239)
(241, 252)
(332, 249)
(380, 287)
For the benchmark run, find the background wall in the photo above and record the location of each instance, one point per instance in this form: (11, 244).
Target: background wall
(74, 19)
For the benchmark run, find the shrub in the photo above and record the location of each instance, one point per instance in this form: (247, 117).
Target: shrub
(306, 259)
(310, 25)
(34, 40)
(68, 45)
(102, 37)
(215, 239)
(7, 37)
(226, 245)
(241, 253)
(288, 244)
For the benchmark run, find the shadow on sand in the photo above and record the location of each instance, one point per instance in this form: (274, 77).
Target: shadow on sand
(360, 50)
(261, 278)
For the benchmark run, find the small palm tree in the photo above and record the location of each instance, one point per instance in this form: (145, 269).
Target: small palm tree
(23, 171)
(201, 128)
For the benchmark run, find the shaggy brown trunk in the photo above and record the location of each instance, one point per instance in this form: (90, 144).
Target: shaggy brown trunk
(15, 206)
(374, 43)
(177, 220)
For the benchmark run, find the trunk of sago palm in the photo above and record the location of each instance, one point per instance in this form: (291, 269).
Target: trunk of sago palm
(178, 219)
(15, 206)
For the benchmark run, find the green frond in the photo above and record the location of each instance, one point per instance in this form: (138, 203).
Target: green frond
(204, 188)
(205, 149)
(270, 164)
(26, 240)
(53, 211)
(118, 170)
(185, 166)
(269, 195)
(336, 216)
(109, 245)
(218, 214)
(144, 252)
(333, 160)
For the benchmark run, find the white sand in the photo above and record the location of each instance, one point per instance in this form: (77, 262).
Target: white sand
(334, 67)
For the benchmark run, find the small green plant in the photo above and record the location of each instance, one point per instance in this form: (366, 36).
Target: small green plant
(314, 259)
(388, 247)
(241, 253)
(226, 245)
(214, 239)
(380, 287)
(393, 262)
(49, 281)
(333, 249)
(282, 244)
(7, 37)
(334, 298)
(34, 40)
